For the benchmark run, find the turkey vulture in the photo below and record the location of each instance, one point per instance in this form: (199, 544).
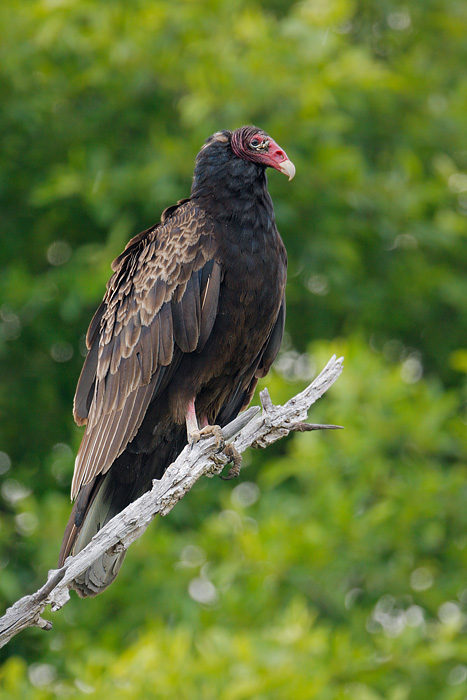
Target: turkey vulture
(192, 317)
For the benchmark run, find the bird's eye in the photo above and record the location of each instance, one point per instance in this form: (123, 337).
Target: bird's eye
(259, 143)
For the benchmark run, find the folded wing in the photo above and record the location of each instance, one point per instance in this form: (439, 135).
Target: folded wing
(161, 302)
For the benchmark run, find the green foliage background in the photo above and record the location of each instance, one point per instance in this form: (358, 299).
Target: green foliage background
(336, 567)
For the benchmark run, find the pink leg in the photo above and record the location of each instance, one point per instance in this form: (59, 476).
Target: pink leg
(191, 420)
(195, 433)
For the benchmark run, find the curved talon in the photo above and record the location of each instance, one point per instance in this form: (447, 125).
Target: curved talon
(236, 458)
(194, 437)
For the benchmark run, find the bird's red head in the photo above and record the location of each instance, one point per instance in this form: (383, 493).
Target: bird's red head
(251, 143)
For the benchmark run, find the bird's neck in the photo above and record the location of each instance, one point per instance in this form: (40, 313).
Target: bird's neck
(236, 195)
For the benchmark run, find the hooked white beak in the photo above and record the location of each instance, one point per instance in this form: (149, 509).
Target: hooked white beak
(286, 167)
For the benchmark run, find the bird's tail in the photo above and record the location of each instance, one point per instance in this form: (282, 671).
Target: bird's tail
(97, 503)
(91, 511)
(108, 494)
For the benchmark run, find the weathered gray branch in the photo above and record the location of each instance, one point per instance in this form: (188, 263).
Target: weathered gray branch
(253, 428)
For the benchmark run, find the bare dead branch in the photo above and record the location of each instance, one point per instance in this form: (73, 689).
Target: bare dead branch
(253, 428)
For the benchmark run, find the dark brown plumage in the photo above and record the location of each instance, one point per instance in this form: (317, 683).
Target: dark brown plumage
(192, 317)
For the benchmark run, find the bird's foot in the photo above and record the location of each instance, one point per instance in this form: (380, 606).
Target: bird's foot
(228, 449)
(208, 431)
(235, 458)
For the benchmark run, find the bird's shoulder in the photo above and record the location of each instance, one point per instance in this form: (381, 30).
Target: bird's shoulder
(154, 267)
(183, 227)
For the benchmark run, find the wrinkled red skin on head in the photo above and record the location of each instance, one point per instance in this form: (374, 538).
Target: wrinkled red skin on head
(271, 157)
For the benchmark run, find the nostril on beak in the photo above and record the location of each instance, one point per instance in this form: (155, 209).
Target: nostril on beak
(280, 154)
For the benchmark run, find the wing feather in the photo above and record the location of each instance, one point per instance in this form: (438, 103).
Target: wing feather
(86, 384)
(209, 302)
(166, 341)
(163, 294)
(145, 355)
(273, 344)
(186, 316)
